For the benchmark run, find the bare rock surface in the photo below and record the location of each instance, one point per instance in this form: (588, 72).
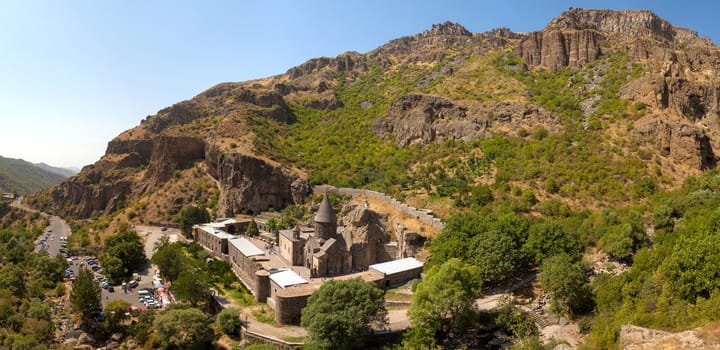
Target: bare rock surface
(423, 119)
(681, 142)
(639, 338)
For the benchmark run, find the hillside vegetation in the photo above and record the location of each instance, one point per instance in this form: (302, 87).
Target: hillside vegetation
(597, 133)
(21, 177)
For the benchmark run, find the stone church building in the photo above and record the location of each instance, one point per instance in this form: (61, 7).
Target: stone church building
(329, 249)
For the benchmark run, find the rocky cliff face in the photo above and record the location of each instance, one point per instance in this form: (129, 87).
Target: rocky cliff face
(555, 49)
(573, 38)
(250, 185)
(247, 184)
(639, 338)
(365, 234)
(683, 143)
(421, 119)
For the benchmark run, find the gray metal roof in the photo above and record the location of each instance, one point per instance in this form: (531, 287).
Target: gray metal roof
(246, 247)
(395, 266)
(286, 278)
(325, 213)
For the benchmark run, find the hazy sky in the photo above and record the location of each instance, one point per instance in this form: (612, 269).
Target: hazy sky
(74, 74)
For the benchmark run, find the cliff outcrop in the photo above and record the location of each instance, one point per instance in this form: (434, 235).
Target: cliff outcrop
(423, 119)
(365, 233)
(683, 143)
(573, 38)
(640, 338)
(249, 185)
(555, 49)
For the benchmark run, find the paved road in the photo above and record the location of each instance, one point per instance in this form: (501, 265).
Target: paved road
(58, 228)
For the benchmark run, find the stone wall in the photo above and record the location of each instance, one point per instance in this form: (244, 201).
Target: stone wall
(216, 245)
(289, 303)
(245, 267)
(399, 278)
(424, 216)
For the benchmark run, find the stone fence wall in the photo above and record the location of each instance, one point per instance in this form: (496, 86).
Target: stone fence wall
(425, 216)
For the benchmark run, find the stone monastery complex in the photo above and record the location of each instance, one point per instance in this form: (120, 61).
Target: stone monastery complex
(358, 246)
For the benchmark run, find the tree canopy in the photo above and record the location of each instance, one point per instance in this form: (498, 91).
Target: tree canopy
(182, 328)
(228, 320)
(566, 283)
(171, 260)
(127, 247)
(190, 216)
(443, 299)
(341, 312)
(85, 296)
(193, 286)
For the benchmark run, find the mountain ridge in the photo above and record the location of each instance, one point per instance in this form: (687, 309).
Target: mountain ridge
(276, 121)
(21, 177)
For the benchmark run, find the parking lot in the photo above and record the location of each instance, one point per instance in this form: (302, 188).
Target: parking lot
(144, 278)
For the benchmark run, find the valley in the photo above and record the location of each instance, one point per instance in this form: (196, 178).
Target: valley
(550, 189)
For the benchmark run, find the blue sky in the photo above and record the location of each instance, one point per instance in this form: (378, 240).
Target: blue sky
(74, 74)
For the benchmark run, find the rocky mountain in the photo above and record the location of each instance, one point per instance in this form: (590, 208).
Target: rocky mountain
(594, 103)
(21, 177)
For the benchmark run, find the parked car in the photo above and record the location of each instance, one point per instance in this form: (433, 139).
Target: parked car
(133, 284)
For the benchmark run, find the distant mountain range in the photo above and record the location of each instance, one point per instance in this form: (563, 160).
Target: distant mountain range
(21, 177)
(67, 172)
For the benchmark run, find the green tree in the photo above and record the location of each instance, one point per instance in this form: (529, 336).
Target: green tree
(273, 225)
(128, 247)
(193, 285)
(693, 268)
(12, 278)
(340, 313)
(190, 216)
(252, 228)
(550, 238)
(520, 324)
(85, 295)
(170, 260)
(228, 320)
(497, 256)
(179, 328)
(443, 300)
(162, 242)
(113, 269)
(566, 283)
(142, 329)
(116, 312)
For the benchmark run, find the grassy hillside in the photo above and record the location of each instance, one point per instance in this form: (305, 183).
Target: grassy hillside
(21, 177)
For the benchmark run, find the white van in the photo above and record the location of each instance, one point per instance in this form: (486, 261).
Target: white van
(143, 292)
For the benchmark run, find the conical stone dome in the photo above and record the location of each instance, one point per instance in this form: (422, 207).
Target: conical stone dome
(325, 213)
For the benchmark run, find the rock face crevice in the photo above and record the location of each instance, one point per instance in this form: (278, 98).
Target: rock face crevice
(250, 185)
(423, 119)
(556, 49)
(170, 153)
(573, 38)
(83, 199)
(683, 143)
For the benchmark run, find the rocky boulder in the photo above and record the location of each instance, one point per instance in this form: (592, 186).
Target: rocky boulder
(365, 235)
(637, 338)
(342, 63)
(423, 119)
(178, 114)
